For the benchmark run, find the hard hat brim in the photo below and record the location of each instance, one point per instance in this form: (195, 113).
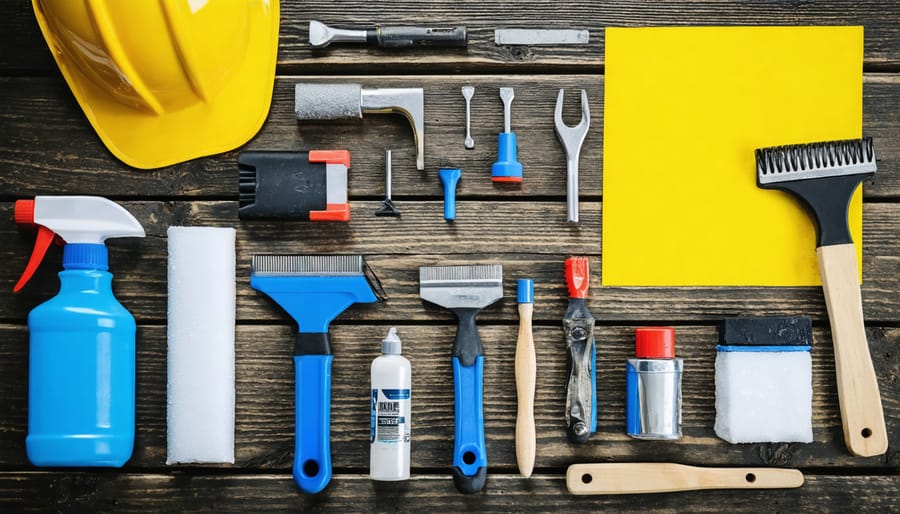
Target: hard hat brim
(222, 122)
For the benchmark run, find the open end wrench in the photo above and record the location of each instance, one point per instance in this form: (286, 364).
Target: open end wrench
(571, 139)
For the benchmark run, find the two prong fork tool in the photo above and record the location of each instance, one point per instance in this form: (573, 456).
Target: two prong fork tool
(572, 139)
(824, 176)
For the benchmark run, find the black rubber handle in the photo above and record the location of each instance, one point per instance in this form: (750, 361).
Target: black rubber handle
(406, 37)
(467, 345)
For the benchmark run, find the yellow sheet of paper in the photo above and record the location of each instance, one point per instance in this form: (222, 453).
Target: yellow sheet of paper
(685, 108)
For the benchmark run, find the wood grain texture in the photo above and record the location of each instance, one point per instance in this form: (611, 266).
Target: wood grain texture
(26, 51)
(526, 378)
(265, 400)
(658, 477)
(861, 412)
(185, 492)
(395, 249)
(50, 147)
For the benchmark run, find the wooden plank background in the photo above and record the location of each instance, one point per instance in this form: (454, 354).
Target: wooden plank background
(47, 147)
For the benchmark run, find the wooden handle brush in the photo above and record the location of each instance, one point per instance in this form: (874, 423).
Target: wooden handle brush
(526, 376)
(824, 176)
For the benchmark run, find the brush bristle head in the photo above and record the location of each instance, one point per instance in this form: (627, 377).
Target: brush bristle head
(473, 286)
(815, 160)
(308, 265)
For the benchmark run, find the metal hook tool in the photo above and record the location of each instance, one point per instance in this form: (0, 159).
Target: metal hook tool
(571, 139)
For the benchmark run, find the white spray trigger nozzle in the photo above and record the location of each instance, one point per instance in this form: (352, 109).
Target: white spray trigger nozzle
(74, 219)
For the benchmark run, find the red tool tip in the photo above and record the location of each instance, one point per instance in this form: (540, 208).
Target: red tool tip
(578, 276)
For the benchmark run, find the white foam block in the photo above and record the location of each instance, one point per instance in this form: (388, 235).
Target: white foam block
(764, 397)
(200, 407)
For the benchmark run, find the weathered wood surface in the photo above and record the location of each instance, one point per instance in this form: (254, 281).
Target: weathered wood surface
(213, 492)
(59, 150)
(26, 52)
(47, 147)
(265, 416)
(504, 233)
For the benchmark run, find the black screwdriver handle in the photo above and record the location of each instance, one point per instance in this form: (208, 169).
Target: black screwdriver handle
(406, 37)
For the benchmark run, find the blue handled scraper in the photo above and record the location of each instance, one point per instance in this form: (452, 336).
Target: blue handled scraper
(465, 290)
(313, 289)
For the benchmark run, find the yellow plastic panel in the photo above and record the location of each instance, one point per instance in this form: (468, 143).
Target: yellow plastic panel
(685, 108)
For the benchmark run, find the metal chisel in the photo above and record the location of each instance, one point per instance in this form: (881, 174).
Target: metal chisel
(321, 35)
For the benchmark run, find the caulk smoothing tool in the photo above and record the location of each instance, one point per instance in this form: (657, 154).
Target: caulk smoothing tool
(664, 477)
(313, 289)
(81, 363)
(526, 377)
(824, 176)
(338, 101)
(578, 324)
(465, 290)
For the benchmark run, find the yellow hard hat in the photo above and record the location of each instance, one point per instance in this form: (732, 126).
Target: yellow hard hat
(165, 81)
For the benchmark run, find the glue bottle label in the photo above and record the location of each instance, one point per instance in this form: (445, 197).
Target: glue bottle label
(390, 416)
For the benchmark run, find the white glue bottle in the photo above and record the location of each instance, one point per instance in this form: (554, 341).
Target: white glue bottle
(389, 437)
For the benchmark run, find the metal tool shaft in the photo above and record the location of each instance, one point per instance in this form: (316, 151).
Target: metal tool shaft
(468, 92)
(572, 139)
(387, 205)
(507, 94)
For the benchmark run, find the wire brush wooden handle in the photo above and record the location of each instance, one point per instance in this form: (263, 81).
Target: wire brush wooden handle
(861, 412)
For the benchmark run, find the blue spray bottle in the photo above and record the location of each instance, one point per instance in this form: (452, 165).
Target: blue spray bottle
(81, 366)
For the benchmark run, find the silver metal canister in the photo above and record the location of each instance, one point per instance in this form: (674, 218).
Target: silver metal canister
(653, 386)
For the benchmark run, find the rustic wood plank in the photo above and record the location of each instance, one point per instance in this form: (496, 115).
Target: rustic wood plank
(396, 248)
(49, 148)
(26, 51)
(264, 385)
(177, 492)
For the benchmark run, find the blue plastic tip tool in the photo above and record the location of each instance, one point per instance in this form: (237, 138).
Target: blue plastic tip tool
(450, 178)
(507, 168)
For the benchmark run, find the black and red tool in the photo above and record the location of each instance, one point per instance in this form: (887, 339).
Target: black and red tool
(310, 186)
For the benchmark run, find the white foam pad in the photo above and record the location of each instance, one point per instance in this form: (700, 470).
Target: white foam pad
(764, 397)
(200, 405)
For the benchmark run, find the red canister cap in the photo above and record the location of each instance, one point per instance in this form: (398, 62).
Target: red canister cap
(654, 343)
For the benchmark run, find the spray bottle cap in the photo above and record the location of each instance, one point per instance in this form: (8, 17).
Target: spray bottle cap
(86, 221)
(390, 345)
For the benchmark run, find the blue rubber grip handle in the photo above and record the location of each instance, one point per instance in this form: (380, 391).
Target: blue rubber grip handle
(450, 178)
(469, 452)
(312, 429)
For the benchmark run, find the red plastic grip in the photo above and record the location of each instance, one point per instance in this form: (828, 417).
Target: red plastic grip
(578, 276)
(330, 157)
(45, 238)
